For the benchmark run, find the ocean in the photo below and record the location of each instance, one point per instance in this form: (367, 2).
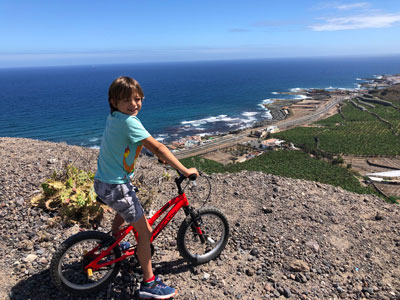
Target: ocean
(69, 104)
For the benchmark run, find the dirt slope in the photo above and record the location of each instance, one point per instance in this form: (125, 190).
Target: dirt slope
(289, 238)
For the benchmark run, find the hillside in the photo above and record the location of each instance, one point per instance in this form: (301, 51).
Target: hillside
(390, 94)
(345, 245)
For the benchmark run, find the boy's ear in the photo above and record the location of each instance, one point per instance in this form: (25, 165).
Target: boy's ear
(113, 102)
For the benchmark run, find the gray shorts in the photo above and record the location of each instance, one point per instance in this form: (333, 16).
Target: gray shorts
(120, 197)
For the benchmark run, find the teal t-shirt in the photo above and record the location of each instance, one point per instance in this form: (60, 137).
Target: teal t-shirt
(120, 147)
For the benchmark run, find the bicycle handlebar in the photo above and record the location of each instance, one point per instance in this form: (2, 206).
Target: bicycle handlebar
(192, 177)
(182, 177)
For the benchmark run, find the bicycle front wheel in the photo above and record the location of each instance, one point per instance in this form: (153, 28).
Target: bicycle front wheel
(67, 266)
(215, 230)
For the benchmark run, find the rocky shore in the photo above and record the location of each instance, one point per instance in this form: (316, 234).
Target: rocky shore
(289, 238)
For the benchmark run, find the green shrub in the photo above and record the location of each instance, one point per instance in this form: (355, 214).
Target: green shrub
(393, 199)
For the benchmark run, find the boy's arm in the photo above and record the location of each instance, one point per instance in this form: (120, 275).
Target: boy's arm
(162, 152)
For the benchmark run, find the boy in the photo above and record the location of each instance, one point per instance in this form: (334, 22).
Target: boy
(123, 139)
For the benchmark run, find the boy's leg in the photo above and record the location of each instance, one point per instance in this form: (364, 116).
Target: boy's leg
(151, 287)
(143, 250)
(123, 200)
(117, 223)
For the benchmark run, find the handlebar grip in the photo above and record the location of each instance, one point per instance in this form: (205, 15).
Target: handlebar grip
(182, 177)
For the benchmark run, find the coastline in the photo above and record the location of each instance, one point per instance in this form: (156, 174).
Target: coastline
(170, 111)
(257, 114)
(313, 105)
(305, 101)
(281, 110)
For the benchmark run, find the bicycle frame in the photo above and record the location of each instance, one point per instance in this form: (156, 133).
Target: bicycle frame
(175, 204)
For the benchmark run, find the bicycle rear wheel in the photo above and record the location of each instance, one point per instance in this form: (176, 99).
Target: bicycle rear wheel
(67, 265)
(215, 229)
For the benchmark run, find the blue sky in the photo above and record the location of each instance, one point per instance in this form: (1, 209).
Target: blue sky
(42, 33)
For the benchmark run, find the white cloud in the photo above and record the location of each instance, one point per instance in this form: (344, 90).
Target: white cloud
(352, 5)
(358, 22)
(337, 5)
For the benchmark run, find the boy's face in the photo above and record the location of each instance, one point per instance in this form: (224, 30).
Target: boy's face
(130, 106)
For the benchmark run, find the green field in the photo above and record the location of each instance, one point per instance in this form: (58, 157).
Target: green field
(293, 164)
(358, 133)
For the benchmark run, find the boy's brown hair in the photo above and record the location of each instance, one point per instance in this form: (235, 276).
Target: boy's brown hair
(122, 88)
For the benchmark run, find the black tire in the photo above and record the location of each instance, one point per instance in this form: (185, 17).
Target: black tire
(66, 268)
(215, 228)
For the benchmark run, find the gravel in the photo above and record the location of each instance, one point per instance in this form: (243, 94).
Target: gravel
(289, 238)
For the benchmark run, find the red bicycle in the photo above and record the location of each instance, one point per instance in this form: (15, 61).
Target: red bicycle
(88, 261)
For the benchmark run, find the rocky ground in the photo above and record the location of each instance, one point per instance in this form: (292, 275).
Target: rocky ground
(289, 238)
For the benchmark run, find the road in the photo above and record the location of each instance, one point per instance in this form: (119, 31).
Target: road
(313, 117)
(227, 141)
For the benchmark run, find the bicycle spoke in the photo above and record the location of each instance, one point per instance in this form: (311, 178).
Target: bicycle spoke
(73, 264)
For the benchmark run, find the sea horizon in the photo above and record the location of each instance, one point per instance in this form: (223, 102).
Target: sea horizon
(322, 57)
(69, 103)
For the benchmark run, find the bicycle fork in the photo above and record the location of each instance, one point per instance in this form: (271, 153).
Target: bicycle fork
(189, 211)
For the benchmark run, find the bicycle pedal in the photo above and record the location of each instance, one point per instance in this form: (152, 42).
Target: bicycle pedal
(90, 272)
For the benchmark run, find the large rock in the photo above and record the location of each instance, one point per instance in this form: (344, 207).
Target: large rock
(298, 265)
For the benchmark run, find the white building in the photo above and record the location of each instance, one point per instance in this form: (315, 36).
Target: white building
(272, 129)
(390, 176)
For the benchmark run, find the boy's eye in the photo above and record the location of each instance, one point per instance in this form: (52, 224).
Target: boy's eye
(135, 99)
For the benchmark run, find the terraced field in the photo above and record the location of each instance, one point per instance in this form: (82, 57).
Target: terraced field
(354, 132)
(293, 164)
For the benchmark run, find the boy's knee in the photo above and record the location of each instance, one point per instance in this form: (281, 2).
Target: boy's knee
(148, 235)
(143, 229)
(145, 235)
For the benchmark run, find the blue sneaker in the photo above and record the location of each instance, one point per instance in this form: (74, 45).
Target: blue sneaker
(125, 245)
(156, 290)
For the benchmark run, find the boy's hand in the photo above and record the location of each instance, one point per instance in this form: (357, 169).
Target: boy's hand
(191, 171)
